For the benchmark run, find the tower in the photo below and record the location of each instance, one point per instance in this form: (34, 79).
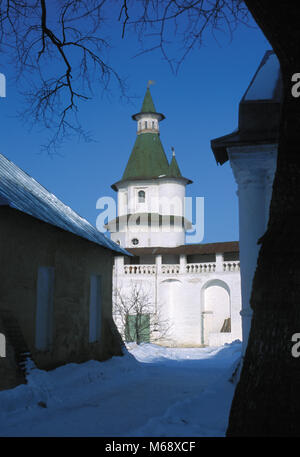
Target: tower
(183, 294)
(151, 192)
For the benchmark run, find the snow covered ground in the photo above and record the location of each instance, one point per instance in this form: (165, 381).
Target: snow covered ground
(150, 391)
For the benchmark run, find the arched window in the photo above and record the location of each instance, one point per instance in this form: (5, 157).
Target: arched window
(153, 124)
(145, 124)
(141, 196)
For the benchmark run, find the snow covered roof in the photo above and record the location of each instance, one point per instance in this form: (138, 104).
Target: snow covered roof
(266, 83)
(259, 110)
(22, 192)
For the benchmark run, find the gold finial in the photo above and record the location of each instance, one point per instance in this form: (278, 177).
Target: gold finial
(149, 83)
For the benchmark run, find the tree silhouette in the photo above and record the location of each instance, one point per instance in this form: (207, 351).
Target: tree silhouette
(60, 50)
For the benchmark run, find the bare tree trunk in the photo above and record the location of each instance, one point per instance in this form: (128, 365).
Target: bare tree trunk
(267, 397)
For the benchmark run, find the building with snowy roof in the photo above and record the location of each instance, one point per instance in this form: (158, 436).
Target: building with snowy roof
(56, 284)
(168, 291)
(252, 152)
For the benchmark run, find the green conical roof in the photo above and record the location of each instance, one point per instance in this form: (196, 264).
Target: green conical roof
(148, 105)
(147, 159)
(174, 170)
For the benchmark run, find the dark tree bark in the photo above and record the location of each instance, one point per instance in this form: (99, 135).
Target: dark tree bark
(267, 397)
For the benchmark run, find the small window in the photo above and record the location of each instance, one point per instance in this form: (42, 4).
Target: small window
(153, 124)
(146, 124)
(135, 241)
(141, 196)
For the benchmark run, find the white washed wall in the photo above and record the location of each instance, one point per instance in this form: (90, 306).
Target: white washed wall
(163, 196)
(180, 297)
(253, 168)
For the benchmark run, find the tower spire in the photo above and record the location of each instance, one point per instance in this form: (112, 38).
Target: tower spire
(148, 118)
(148, 159)
(174, 169)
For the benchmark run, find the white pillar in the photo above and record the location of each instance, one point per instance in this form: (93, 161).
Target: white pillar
(219, 262)
(119, 264)
(252, 227)
(158, 262)
(118, 271)
(182, 260)
(253, 168)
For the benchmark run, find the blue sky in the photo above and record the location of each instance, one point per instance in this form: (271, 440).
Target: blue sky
(200, 103)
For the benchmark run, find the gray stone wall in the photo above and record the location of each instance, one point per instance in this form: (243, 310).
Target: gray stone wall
(27, 243)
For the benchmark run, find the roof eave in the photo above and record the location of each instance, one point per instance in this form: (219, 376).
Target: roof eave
(116, 185)
(160, 115)
(161, 219)
(189, 249)
(236, 139)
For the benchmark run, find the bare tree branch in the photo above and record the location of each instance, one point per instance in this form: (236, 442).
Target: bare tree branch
(186, 21)
(136, 304)
(67, 33)
(60, 44)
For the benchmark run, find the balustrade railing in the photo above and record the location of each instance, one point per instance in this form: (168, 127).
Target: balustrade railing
(231, 266)
(170, 269)
(189, 268)
(140, 269)
(207, 267)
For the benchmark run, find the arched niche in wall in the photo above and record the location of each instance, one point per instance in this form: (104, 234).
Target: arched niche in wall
(215, 308)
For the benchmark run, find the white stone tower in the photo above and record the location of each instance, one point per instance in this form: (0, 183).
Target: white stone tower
(151, 192)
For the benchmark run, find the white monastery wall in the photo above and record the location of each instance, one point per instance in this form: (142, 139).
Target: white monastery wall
(194, 299)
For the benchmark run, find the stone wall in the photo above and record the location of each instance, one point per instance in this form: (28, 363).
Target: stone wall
(26, 244)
